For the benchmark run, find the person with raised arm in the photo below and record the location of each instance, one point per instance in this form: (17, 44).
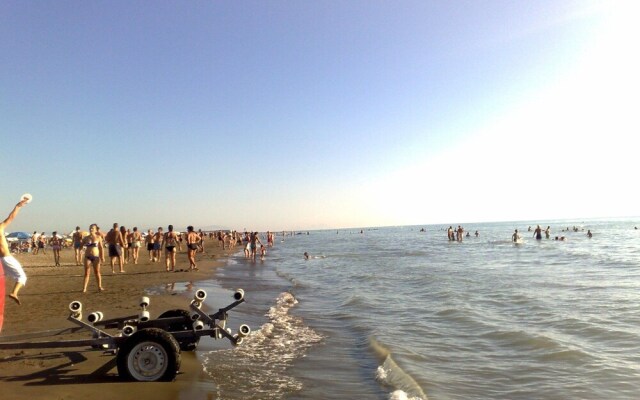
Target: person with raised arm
(10, 266)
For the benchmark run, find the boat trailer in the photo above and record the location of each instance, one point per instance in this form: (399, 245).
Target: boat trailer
(146, 349)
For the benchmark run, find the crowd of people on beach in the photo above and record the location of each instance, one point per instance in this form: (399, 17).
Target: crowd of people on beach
(121, 245)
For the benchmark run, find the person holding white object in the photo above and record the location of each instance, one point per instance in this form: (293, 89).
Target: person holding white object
(10, 265)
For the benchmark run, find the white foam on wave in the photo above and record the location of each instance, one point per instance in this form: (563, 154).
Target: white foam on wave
(258, 367)
(391, 375)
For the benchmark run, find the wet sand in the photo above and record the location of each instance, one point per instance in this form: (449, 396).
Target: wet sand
(81, 373)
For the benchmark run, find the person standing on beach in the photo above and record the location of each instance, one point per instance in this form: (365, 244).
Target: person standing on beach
(170, 242)
(125, 252)
(93, 256)
(10, 266)
(114, 243)
(136, 242)
(77, 244)
(128, 251)
(34, 243)
(201, 242)
(56, 245)
(192, 247)
(148, 240)
(42, 243)
(537, 233)
(157, 244)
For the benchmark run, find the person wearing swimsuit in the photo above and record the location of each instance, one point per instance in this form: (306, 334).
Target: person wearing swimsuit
(9, 266)
(254, 240)
(77, 245)
(136, 239)
(538, 233)
(192, 247)
(56, 245)
(93, 256)
(149, 241)
(170, 243)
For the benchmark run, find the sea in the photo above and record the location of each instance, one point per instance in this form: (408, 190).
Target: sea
(404, 313)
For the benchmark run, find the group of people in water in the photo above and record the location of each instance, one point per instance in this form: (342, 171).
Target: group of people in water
(459, 233)
(537, 234)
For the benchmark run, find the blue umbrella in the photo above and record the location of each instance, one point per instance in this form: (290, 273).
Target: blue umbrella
(18, 235)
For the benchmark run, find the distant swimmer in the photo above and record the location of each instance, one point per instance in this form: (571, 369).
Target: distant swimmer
(589, 234)
(477, 234)
(560, 238)
(306, 255)
(516, 237)
(538, 233)
(547, 232)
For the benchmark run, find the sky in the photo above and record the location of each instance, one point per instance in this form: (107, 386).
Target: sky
(301, 115)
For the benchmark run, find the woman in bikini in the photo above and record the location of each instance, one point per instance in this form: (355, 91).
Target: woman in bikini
(192, 246)
(93, 256)
(56, 245)
(170, 243)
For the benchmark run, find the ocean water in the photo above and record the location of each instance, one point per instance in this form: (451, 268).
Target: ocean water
(396, 313)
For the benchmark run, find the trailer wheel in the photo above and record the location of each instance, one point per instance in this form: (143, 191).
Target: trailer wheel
(149, 355)
(186, 344)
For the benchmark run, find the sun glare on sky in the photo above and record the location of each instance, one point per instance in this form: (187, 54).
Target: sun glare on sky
(567, 151)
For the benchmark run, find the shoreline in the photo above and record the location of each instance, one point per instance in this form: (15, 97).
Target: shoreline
(78, 373)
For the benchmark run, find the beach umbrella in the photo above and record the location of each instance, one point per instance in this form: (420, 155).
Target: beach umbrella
(18, 236)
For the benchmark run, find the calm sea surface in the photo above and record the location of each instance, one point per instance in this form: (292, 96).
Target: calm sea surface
(395, 313)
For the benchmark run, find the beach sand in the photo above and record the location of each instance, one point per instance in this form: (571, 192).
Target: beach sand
(81, 373)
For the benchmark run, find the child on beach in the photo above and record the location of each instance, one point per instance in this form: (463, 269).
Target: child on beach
(11, 266)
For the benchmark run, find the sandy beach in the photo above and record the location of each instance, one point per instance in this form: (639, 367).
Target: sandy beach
(81, 373)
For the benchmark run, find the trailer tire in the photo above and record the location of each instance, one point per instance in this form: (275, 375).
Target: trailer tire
(149, 355)
(186, 344)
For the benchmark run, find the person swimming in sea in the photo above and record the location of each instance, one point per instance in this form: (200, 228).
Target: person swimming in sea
(306, 255)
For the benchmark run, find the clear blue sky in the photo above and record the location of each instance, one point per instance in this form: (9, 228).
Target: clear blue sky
(317, 114)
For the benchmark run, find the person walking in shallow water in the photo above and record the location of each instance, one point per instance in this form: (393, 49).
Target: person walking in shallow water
(537, 233)
(515, 237)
